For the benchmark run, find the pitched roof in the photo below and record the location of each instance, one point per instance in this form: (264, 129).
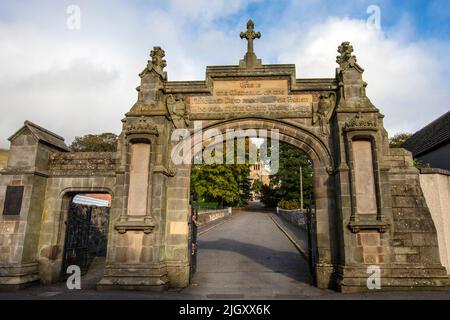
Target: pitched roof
(430, 137)
(43, 135)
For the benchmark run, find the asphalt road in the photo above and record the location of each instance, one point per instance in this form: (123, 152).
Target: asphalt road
(249, 257)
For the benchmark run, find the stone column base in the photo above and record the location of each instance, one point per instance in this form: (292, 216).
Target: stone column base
(325, 276)
(18, 276)
(394, 277)
(146, 277)
(179, 273)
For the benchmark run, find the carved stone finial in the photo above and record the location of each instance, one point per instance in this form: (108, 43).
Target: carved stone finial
(157, 63)
(346, 59)
(250, 59)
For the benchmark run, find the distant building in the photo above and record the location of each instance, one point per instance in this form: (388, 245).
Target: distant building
(432, 143)
(259, 172)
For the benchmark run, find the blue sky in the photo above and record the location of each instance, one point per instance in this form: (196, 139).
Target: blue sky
(82, 81)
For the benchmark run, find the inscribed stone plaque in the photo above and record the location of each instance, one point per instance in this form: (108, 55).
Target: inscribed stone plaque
(13, 200)
(364, 178)
(139, 170)
(252, 97)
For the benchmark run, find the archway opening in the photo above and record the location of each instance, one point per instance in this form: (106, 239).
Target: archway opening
(86, 235)
(255, 242)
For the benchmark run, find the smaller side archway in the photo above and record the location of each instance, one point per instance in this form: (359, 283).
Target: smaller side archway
(57, 208)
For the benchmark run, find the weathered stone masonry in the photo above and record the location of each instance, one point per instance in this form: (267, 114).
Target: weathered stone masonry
(370, 209)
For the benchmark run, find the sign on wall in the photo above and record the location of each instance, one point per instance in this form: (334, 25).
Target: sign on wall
(13, 200)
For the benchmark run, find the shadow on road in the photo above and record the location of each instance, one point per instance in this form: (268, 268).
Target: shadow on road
(258, 206)
(290, 264)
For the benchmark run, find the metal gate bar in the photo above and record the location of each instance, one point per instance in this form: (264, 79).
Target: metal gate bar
(76, 247)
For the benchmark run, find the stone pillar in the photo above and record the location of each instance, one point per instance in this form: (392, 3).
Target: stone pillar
(361, 183)
(22, 194)
(136, 247)
(177, 251)
(382, 209)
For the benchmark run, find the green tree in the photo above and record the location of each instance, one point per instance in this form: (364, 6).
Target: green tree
(241, 173)
(397, 140)
(105, 142)
(257, 186)
(227, 184)
(269, 196)
(3, 158)
(285, 184)
(214, 182)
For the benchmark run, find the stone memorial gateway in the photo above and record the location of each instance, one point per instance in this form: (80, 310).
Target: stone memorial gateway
(370, 209)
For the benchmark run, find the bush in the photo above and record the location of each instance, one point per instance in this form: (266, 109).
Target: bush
(289, 204)
(206, 205)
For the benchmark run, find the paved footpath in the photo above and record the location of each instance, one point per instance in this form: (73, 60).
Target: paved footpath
(246, 257)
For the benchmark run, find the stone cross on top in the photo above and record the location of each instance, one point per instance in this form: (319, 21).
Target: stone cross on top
(250, 35)
(250, 60)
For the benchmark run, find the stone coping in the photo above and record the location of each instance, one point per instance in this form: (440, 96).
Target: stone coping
(435, 171)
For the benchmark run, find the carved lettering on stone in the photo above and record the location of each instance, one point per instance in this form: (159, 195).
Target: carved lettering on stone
(256, 97)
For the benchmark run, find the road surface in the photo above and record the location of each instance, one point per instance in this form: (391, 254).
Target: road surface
(249, 257)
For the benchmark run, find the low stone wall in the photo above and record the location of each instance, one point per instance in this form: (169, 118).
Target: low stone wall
(205, 217)
(435, 185)
(296, 217)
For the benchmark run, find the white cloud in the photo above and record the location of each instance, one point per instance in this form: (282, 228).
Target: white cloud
(204, 11)
(405, 79)
(61, 85)
(83, 82)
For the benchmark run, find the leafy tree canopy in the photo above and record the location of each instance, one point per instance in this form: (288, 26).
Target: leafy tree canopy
(105, 142)
(285, 184)
(397, 140)
(228, 184)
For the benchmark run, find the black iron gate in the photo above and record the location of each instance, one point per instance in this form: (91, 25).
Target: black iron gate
(312, 241)
(192, 247)
(76, 247)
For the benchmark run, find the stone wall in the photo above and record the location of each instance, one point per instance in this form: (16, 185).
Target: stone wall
(205, 217)
(296, 217)
(415, 239)
(19, 234)
(32, 243)
(58, 193)
(82, 164)
(435, 185)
